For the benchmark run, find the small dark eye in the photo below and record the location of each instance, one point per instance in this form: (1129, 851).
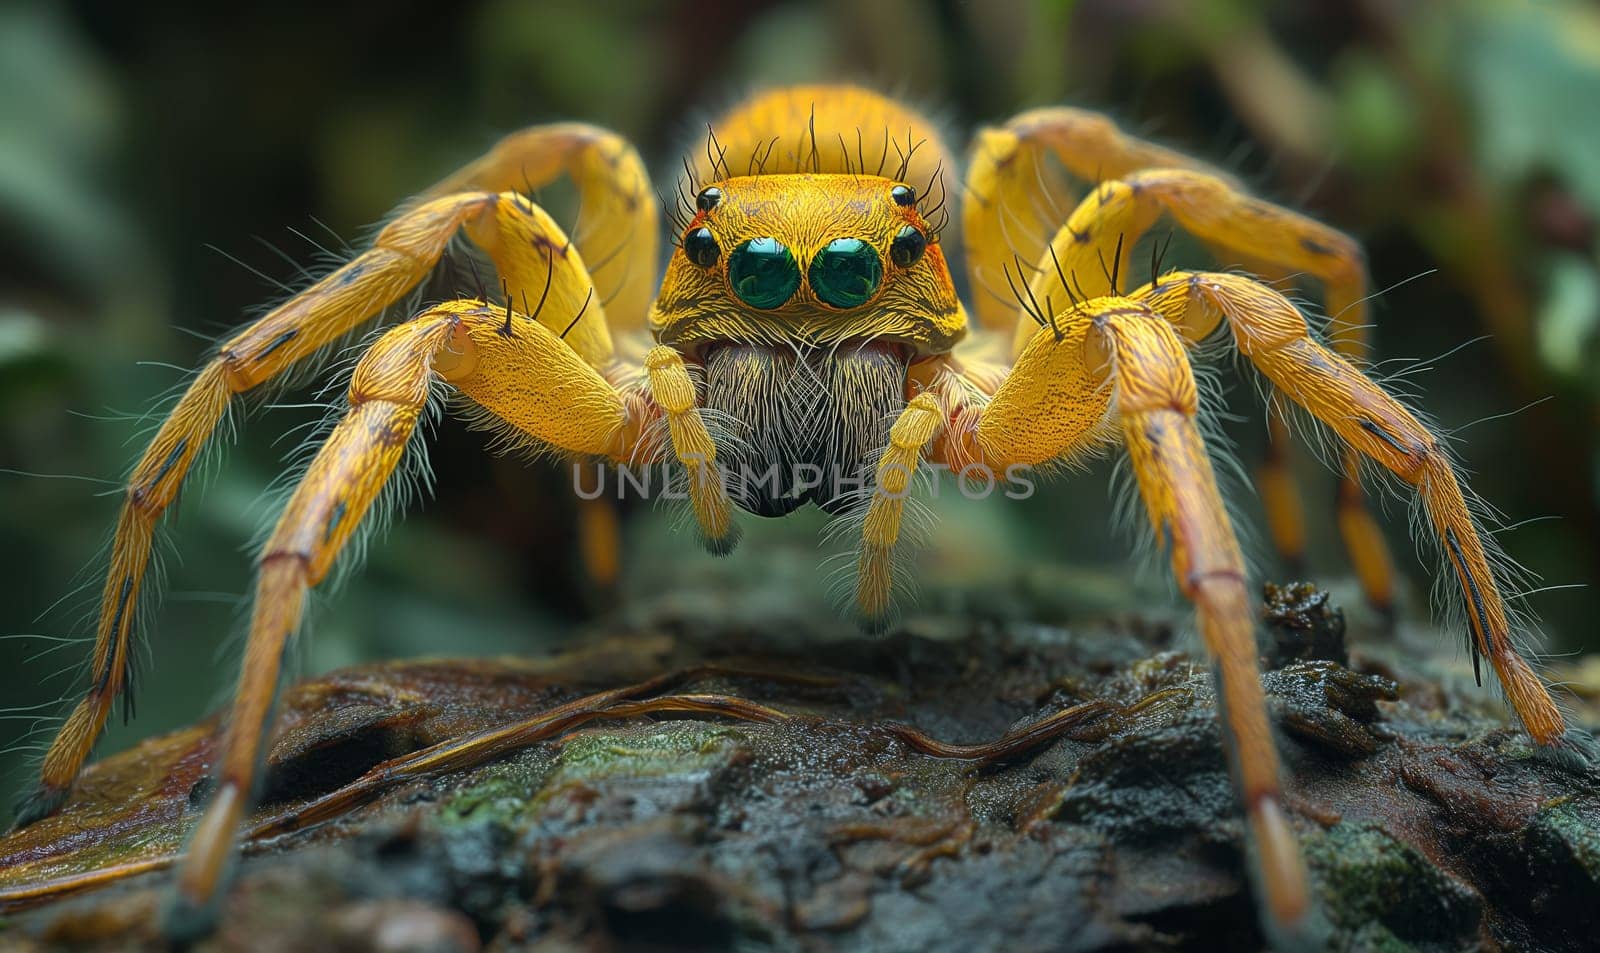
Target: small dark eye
(908, 246)
(708, 199)
(903, 195)
(701, 248)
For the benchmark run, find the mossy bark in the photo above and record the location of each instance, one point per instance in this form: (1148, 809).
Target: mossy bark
(1428, 823)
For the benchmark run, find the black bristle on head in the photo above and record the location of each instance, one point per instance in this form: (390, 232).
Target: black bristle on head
(579, 316)
(811, 124)
(1032, 312)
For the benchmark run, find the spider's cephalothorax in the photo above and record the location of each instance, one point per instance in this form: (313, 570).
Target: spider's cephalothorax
(805, 298)
(808, 303)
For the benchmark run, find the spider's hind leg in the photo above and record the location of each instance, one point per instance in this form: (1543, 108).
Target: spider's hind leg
(618, 228)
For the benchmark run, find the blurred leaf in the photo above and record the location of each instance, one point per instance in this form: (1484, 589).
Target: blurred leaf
(1534, 72)
(1568, 316)
(1377, 123)
(54, 135)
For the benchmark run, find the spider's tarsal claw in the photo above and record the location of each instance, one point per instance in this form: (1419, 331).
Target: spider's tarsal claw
(187, 922)
(43, 801)
(877, 625)
(1290, 919)
(1309, 934)
(1575, 751)
(725, 544)
(206, 868)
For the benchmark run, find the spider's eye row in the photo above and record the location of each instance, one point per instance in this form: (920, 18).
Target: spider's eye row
(846, 273)
(763, 273)
(700, 247)
(708, 199)
(903, 195)
(908, 245)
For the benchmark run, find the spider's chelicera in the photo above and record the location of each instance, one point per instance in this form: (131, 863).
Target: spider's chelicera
(808, 321)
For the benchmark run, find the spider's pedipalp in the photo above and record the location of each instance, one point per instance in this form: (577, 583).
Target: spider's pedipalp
(670, 386)
(910, 436)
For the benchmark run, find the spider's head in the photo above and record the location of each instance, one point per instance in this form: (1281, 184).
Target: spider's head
(808, 260)
(805, 298)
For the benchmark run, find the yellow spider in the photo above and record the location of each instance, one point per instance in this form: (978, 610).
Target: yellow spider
(808, 303)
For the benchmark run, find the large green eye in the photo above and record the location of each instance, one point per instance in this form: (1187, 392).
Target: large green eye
(763, 273)
(846, 274)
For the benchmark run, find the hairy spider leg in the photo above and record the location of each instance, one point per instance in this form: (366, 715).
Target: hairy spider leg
(516, 370)
(1095, 246)
(1108, 368)
(619, 220)
(1008, 197)
(1007, 210)
(322, 314)
(1273, 335)
(1280, 492)
(618, 233)
(400, 257)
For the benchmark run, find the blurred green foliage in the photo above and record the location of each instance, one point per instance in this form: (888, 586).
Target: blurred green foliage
(149, 157)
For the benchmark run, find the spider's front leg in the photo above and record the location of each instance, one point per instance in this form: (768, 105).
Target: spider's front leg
(1242, 230)
(1110, 367)
(526, 379)
(527, 249)
(1014, 206)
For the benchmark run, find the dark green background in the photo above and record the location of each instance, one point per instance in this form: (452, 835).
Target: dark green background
(141, 152)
